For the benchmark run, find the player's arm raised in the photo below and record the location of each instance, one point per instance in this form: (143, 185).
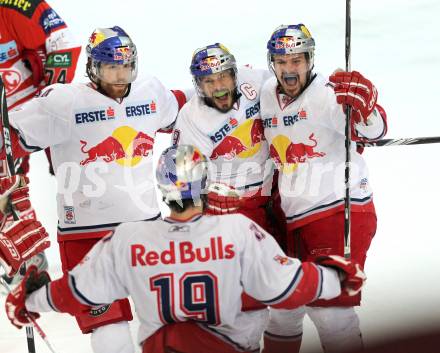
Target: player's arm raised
(369, 119)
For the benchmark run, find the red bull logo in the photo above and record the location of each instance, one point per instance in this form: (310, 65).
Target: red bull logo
(243, 142)
(123, 53)
(287, 154)
(125, 146)
(142, 145)
(209, 63)
(285, 43)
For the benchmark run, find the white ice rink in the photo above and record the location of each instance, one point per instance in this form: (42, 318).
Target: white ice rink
(394, 43)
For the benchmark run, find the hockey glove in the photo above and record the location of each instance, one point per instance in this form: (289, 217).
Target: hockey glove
(16, 300)
(351, 276)
(15, 189)
(20, 241)
(353, 89)
(222, 199)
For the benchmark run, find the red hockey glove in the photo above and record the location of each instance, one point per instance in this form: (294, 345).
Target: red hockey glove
(355, 90)
(20, 241)
(15, 189)
(222, 199)
(352, 277)
(15, 301)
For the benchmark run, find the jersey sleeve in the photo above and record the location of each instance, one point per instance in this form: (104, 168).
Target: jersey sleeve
(96, 278)
(95, 281)
(44, 121)
(187, 133)
(273, 278)
(168, 104)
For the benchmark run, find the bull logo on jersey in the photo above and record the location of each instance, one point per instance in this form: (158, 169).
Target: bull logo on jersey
(125, 146)
(243, 142)
(287, 154)
(11, 80)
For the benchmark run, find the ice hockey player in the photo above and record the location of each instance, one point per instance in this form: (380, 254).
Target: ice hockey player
(304, 123)
(21, 239)
(223, 121)
(101, 136)
(186, 273)
(36, 50)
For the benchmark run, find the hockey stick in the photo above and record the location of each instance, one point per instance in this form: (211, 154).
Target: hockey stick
(6, 133)
(32, 320)
(347, 205)
(400, 142)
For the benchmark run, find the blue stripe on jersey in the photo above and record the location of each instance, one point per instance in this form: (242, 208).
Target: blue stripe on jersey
(353, 200)
(288, 290)
(27, 147)
(320, 281)
(98, 227)
(82, 298)
(49, 299)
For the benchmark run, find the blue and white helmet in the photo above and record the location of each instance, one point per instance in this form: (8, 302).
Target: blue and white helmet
(209, 60)
(291, 39)
(110, 46)
(181, 173)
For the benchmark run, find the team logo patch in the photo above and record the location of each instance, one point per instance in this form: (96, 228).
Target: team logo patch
(69, 215)
(8, 51)
(99, 311)
(50, 20)
(12, 79)
(283, 260)
(123, 53)
(59, 60)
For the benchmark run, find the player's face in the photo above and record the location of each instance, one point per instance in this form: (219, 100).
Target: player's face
(114, 79)
(219, 88)
(291, 71)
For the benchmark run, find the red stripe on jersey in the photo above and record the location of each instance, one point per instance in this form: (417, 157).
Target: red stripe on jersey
(180, 96)
(63, 299)
(307, 289)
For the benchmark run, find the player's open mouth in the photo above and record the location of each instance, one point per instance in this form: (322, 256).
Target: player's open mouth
(290, 79)
(221, 96)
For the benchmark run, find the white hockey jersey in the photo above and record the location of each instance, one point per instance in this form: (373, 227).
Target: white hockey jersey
(234, 140)
(306, 140)
(101, 149)
(196, 270)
